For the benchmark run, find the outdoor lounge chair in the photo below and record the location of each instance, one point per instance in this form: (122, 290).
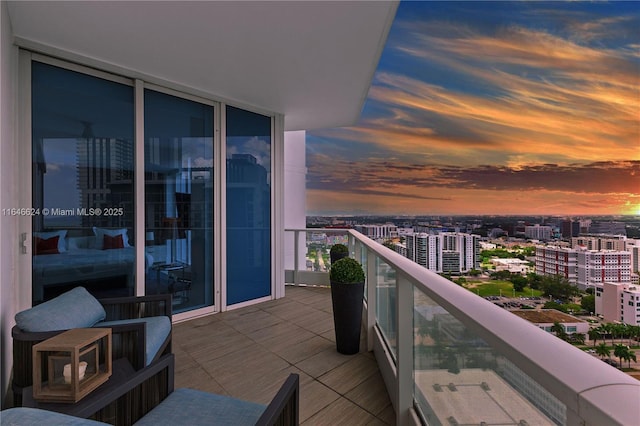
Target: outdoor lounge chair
(141, 328)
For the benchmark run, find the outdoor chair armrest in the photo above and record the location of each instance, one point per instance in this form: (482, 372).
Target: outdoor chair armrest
(118, 308)
(284, 408)
(128, 341)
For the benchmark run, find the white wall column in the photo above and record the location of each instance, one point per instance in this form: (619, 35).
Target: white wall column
(295, 206)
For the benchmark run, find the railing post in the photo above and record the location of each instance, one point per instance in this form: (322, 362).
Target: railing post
(357, 249)
(372, 297)
(351, 242)
(404, 345)
(296, 236)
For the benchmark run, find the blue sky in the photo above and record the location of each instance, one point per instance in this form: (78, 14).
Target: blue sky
(492, 108)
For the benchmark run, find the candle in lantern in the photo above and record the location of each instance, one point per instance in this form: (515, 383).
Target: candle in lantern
(82, 368)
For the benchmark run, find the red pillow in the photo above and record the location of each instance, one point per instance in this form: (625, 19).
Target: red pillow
(48, 246)
(114, 242)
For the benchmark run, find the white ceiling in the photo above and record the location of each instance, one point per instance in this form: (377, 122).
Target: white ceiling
(312, 61)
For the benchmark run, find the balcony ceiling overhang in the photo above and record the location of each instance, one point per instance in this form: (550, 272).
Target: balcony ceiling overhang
(311, 61)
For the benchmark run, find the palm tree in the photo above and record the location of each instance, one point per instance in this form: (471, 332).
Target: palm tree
(558, 329)
(594, 333)
(463, 351)
(602, 350)
(634, 333)
(576, 338)
(621, 351)
(629, 333)
(423, 331)
(631, 355)
(617, 330)
(605, 329)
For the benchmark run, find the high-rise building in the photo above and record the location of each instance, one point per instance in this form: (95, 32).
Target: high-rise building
(570, 228)
(584, 268)
(538, 232)
(445, 252)
(104, 172)
(378, 232)
(595, 267)
(554, 260)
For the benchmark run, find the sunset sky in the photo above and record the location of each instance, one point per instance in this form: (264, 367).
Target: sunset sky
(492, 108)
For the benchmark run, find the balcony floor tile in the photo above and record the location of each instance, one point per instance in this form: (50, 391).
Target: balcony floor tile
(247, 353)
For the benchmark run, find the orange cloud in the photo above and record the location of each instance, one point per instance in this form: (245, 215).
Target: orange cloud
(587, 99)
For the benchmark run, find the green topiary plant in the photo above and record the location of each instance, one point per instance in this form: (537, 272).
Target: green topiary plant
(337, 252)
(346, 271)
(339, 249)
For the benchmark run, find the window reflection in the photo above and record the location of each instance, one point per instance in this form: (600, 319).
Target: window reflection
(179, 199)
(83, 156)
(248, 205)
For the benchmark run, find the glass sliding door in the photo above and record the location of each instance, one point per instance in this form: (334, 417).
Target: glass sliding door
(84, 199)
(179, 188)
(248, 203)
(83, 181)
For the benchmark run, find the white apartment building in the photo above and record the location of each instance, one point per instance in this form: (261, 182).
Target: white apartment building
(403, 232)
(584, 268)
(445, 252)
(600, 242)
(618, 302)
(400, 248)
(538, 232)
(630, 305)
(555, 260)
(378, 232)
(633, 247)
(596, 267)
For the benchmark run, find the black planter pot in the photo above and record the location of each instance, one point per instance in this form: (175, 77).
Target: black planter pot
(347, 315)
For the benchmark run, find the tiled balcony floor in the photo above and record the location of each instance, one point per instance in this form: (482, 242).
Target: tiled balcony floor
(247, 353)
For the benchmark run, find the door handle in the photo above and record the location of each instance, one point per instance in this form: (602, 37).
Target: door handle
(25, 243)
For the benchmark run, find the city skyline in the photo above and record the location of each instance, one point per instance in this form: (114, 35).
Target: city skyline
(516, 108)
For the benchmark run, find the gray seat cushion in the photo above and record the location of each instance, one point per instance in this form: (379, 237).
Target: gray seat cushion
(23, 416)
(157, 330)
(197, 408)
(73, 309)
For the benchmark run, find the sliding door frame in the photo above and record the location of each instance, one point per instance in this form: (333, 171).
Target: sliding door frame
(217, 164)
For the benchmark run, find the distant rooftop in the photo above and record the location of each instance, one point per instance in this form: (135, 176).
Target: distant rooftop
(546, 316)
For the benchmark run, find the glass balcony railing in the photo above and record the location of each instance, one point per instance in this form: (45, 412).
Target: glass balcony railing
(449, 357)
(307, 258)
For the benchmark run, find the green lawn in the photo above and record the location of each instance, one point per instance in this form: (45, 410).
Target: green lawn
(493, 288)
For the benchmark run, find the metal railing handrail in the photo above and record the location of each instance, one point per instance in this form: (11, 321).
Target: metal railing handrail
(342, 230)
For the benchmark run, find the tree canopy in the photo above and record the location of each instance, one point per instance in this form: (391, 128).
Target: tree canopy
(557, 287)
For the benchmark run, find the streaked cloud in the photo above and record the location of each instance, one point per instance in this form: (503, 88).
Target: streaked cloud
(604, 177)
(548, 103)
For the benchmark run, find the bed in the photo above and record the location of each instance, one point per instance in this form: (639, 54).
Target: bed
(104, 259)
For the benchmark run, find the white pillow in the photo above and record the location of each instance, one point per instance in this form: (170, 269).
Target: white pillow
(62, 242)
(101, 232)
(76, 243)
